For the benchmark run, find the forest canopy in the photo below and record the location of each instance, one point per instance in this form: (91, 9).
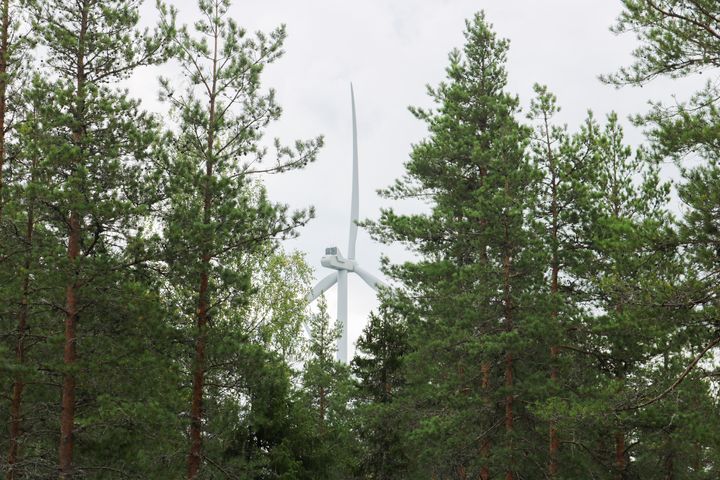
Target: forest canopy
(558, 317)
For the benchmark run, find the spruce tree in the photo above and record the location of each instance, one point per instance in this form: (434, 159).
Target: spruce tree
(380, 380)
(327, 387)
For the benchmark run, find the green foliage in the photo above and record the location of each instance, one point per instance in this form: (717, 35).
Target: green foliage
(471, 301)
(277, 310)
(327, 390)
(380, 378)
(553, 296)
(677, 37)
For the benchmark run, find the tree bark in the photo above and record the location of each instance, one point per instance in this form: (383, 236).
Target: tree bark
(620, 464)
(670, 464)
(554, 288)
(507, 306)
(4, 53)
(485, 445)
(23, 315)
(67, 417)
(196, 413)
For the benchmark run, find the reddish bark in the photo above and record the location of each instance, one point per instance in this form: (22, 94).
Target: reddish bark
(508, 311)
(196, 409)
(554, 273)
(67, 416)
(485, 446)
(620, 464)
(18, 383)
(4, 44)
(23, 315)
(196, 413)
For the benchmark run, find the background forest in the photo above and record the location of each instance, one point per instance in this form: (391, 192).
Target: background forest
(558, 318)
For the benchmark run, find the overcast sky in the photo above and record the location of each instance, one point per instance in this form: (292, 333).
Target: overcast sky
(390, 49)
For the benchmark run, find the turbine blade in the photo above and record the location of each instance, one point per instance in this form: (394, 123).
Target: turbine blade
(355, 201)
(322, 286)
(374, 282)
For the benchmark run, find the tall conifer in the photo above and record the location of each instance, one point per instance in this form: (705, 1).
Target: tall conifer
(218, 213)
(103, 142)
(472, 293)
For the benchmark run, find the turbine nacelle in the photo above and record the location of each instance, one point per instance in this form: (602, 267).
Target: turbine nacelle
(334, 259)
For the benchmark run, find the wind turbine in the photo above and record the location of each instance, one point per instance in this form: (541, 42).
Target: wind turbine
(334, 260)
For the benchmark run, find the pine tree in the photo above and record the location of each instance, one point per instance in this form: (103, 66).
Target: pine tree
(27, 158)
(567, 163)
(678, 39)
(5, 57)
(15, 254)
(218, 213)
(15, 42)
(471, 298)
(628, 223)
(103, 141)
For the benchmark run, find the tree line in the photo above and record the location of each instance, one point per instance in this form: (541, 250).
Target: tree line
(558, 319)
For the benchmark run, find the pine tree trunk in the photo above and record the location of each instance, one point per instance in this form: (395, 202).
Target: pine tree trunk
(620, 465)
(18, 383)
(485, 446)
(620, 461)
(670, 464)
(67, 417)
(23, 314)
(196, 413)
(509, 409)
(4, 44)
(554, 288)
(554, 437)
(507, 306)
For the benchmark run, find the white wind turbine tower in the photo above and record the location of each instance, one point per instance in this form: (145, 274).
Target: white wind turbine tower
(334, 260)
